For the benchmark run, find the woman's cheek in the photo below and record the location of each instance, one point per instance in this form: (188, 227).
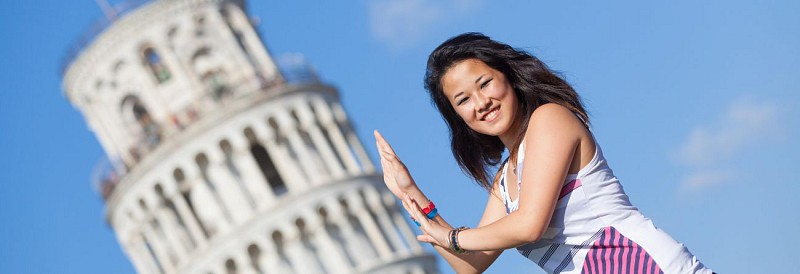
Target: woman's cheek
(464, 113)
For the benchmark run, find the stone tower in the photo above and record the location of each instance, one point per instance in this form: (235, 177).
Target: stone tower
(222, 162)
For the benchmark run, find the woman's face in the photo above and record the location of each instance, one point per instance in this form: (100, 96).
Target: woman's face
(482, 96)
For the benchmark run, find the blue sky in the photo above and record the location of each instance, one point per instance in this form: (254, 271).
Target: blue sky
(694, 103)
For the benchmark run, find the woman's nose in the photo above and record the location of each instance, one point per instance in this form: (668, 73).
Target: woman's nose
(482, 102)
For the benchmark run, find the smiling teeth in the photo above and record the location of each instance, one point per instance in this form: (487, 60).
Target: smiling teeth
(491, 115)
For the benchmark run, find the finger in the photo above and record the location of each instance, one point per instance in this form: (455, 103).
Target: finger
(417, 211)
(426, 239)
(409, 208)
(383, 143)
(379, 141)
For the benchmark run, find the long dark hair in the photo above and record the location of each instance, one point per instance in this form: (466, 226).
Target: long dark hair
(534, 85)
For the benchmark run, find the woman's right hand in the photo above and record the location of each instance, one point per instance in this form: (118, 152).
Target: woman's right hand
(395, 174)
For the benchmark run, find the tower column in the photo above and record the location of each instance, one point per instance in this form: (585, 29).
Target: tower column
(356, 247)
(374, 201)
(401, 223)
(243, 264)
(170, 228)
(159, 250)
(341, 117)
(303, 261)
(142, 261)
(330, 252)
(209, 207)
(216, 20)
(309, 124)
(370, 227)
(185, 213)
(230, 190)
(240, 22)
(337, 138)
(250, 173)
(270, 256)
(287, 166)
(298, 145)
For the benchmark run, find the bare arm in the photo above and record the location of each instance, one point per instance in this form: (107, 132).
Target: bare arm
(552, 138)
(399, 181)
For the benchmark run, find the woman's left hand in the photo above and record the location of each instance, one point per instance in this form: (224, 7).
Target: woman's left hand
(433, 232)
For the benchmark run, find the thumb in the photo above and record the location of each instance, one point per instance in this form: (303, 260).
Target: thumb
(426, 239)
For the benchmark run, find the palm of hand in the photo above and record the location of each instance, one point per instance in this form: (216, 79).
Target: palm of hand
(395, 174)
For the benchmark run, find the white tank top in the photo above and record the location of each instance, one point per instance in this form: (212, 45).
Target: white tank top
(595, 229)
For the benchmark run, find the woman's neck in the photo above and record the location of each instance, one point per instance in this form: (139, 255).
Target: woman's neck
(510, 137)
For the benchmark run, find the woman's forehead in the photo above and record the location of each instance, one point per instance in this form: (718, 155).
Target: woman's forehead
(464, 74)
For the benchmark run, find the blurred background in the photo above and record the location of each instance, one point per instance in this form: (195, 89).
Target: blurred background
(694, 104)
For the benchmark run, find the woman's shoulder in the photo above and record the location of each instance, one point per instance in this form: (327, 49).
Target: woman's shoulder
(552, 116)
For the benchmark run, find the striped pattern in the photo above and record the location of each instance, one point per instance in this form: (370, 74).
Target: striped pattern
(569, 187)
(567, 260)
(615, 253)
(547, 254)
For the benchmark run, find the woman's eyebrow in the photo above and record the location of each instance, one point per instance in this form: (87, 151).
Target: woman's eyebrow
(479, 78)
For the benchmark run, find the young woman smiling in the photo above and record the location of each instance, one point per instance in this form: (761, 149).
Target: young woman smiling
(554, 199)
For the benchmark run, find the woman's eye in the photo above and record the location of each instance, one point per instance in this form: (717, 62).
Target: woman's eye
(463, 100)
(484, 84)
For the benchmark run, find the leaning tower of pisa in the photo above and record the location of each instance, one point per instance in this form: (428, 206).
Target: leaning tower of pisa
(221, 162)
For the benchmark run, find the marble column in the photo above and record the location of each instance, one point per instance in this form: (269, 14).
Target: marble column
(330, 252)
(303, 260)
(289, 127)
(288, 166)
(270, 258)
(142, 260)
(376, 204)
(400, 222)
(252, 41)
(217, 23)
(243, 263)
(250, 173)
(356, 247)
(340, 115)
(370, 226)
(308, 123)
(159, 250)
(189, 219)
(206, 201)
(170, 228)
(228, 187)
(337, 138)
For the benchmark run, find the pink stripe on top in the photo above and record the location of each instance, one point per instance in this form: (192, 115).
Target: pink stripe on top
(569, 187)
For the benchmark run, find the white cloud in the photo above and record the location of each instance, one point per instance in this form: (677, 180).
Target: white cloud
(705, 178)
(402, 23)
(746, 123)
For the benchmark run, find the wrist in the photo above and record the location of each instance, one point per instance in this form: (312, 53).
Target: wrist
(429, 211)
(454, 241)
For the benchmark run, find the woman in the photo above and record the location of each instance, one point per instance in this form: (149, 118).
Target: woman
(554, 198)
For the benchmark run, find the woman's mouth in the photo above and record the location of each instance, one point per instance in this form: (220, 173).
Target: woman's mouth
(491, 115)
